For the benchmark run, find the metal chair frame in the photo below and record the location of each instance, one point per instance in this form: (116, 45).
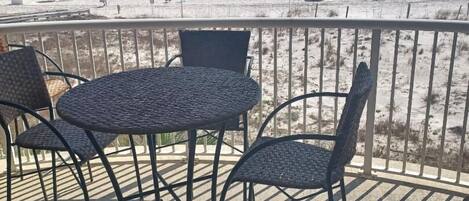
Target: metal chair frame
(219, 138)
(80, 178)
(329, 186)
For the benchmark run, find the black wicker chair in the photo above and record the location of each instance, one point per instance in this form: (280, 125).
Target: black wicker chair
(219, 49)
(23, 92)
(287, 162)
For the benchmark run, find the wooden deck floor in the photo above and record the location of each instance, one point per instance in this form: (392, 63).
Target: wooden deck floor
(358, 188)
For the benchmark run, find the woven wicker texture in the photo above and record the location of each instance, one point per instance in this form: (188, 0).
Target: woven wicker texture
(288, 164)
(56, 87)
(158, 100)
(21, 82)
(299, 165)
(224, 49)
(41, 137)
(347, 130)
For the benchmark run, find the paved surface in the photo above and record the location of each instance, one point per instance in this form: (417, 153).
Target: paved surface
(174, 170)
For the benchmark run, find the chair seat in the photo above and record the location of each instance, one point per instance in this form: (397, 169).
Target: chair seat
(288, 164)
(41, 137)
(56, 87)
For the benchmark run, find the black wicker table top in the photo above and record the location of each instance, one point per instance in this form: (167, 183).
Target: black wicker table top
(158, 100)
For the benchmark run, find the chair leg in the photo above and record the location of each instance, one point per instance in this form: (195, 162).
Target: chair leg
(54, 177)
(245, 148)
(216, 162)
(137, 170)
(20, 163)
(342, 189)
(89, 170)
(39, 173)
(330, 195)
(8, 165)
(252, 197)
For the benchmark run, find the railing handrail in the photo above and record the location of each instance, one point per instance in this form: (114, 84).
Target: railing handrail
(346, 23)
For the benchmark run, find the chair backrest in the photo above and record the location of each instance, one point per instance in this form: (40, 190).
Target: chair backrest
(220, 49)
(21, 82)
(347, 130)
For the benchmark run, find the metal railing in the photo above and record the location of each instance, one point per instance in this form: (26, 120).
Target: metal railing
(408, 124)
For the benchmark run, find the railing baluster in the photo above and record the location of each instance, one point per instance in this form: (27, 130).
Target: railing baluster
(290, 72)
(261, 102)
(106, 56)
(90, 45)
(152, 48)
(75, 52)
(337, 71)
(429, 94)
(371, 104)
(321, 80)
(355, 50)
(305, 78)
(23, 38)
(121, 49)
(391, 102)
(59, 50)
(165, 43)
(448, 93)
(463, 138)
(137, 59)
(409, 104)
(275, 80)
(41, 45)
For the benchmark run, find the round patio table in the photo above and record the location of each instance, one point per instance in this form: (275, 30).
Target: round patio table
(158, 100)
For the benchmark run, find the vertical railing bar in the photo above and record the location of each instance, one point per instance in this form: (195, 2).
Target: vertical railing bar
(371, 104)
(275, 80)
(152, 48)
(391, 103)
(463, 138)
(355, 52)
(290, 72)
(321, 80)
(165, 43)
(41, 45)
(106, 56)
(59, 50)
(261, 104)
(305, 78)
(427, 112)
(448, 93)
(316, 10)
(23, 38)
(137, 58)
(90, 45)
(409, 104)
(337, 73)
(121, 49)
(75, 52)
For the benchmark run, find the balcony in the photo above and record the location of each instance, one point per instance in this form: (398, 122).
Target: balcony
(413, 137)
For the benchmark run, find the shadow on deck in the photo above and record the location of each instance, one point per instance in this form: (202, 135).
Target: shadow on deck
(358, 188)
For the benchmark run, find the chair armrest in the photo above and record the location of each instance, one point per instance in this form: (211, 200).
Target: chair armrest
(249, 66)
(66, 76)
(171, 60)
(298, 98)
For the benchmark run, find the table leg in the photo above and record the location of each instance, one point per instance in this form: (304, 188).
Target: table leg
(216, 161)
(106, 165)
(151, 146)
(192, 139)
